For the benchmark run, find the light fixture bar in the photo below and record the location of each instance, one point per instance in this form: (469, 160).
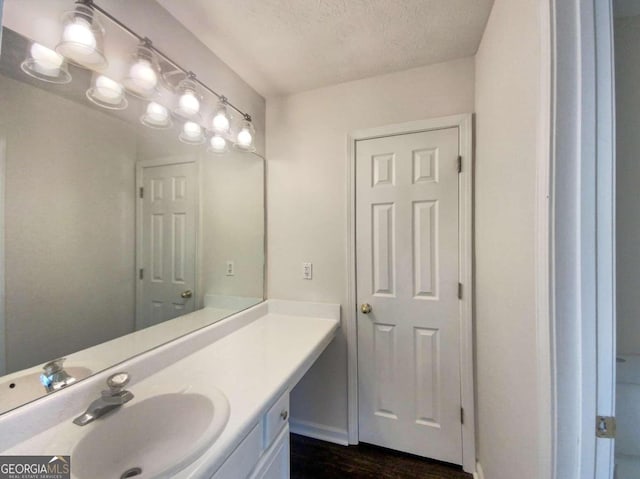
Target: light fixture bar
(140, 38)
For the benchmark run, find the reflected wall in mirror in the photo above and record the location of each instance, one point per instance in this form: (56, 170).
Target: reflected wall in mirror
(112, 229)
(627, 78)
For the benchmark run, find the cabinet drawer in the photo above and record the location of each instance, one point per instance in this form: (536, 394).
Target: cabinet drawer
(275, 419)
(241, 461)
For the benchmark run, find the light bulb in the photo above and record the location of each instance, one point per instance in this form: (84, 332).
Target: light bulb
(46, 60)
(218, 144)
(189, 104)
(142, 73)
(192, 130)
(107, 93)
(220, 123)
(107, 89)
(244, 137)
(157, 112)
(79, 33)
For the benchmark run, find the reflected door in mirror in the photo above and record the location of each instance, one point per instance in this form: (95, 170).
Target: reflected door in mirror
(167, 227)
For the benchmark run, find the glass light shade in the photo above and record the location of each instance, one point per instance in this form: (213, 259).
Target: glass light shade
(142, 77)
(192, 133)
(46, 65)
(82, 38)
(221, 121)
(156, 116)
(218, 144)
(188, 106)
(245, 137)
(107, 93)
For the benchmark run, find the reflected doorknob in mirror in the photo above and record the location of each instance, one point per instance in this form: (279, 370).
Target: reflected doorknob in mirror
(365, 308)
(186, 294)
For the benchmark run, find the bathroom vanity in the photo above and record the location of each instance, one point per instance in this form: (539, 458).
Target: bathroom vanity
(222, 390)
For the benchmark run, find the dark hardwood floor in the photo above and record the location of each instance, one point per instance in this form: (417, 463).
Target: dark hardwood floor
(313, 459)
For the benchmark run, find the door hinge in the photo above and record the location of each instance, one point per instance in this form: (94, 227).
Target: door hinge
(141, 192)
(459, 164)
(606, 427)
(141, 273)
(459, 290)
(461, 415)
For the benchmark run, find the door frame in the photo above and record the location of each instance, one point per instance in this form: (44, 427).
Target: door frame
(464, 123)
(166, 161)
(583, 240)
(605, 179)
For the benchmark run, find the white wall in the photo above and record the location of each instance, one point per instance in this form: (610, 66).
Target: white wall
(627, 39)
(508, 105)
(307, 202)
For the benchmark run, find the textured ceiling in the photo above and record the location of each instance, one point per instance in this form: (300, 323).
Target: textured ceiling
(287, 46)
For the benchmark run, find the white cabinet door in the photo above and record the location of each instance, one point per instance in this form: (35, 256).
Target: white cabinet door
(242, 461)
(275, 463)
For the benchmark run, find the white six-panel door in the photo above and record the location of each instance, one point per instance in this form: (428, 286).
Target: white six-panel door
(166, 284)
(407, 254)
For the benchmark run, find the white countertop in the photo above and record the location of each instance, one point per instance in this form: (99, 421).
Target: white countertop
(252, 366)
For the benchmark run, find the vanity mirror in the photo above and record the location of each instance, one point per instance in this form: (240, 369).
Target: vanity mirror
(124, 207)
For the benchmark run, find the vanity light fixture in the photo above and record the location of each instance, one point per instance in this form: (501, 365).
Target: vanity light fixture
(46, 65)
(82, 44)
(142, 77)
(188, 100)
(156, 116)
(107, 93)
(245, 136)
(221, 119)
(192, 134)
(218, 144)
(82, 37)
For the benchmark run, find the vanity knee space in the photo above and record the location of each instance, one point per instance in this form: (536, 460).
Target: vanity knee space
(264, 452)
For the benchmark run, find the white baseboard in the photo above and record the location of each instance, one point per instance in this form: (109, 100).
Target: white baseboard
(479, 474)
(319, 431)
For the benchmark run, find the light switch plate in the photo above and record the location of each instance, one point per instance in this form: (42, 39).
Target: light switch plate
(307, 270)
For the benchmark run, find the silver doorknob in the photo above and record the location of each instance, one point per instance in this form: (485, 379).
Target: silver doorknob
(186, 294)
(365, 308)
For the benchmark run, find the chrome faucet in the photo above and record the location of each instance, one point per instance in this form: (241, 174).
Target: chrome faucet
(109, 400)
(54, 376)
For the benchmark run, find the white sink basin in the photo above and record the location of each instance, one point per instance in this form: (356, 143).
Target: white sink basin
(154, 437)
(17, 390)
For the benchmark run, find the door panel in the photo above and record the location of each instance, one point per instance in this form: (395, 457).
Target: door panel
(168, 243)
(407, 270)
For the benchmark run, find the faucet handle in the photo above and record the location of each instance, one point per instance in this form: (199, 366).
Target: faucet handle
(117, 382)
(54, 366)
